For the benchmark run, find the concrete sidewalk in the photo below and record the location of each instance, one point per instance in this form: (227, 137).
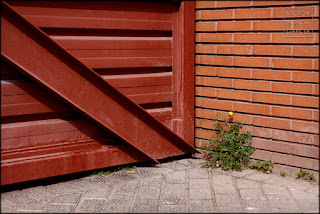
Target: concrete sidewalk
(175, 186)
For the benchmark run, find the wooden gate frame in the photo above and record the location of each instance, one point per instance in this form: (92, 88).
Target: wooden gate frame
(182, 102)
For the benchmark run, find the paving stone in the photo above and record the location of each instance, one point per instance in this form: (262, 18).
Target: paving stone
(185, 162)
(200, 206)
(199, 183)
(249, 209)
(32, 206)
(102, 192)
(90, 205)
(198, 173)
(259, 176)
(119, 203)
(128, 187)
(299, 185)
(40, 192)
(60, 208)
(174, 193)
(173, 165)
(64, 187)
(221, 179)
(151, 182)
(271, 189)
(148, 193)
(230, 209)
(314, 190)
(279, 181)
(280, 200)
(197, 162)
(72, 198)
(307, 202)
(200, 194)
(172, 209)
(224, 189)
(287, 209)
(227, 200)
(16, 197)
(254, 199)
(247, 184)
(145, 206)
(176, 177)
(243, 173)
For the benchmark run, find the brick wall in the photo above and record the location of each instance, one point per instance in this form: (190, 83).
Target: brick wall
(246, 64)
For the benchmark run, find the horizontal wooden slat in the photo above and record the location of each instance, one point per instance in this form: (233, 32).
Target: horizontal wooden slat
(98, 23)
(82, 12)
(127, 62)
(113, 43)
(121, 53)
(135, 80)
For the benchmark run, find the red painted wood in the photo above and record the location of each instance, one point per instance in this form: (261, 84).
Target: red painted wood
(136, 59)
(117, 118)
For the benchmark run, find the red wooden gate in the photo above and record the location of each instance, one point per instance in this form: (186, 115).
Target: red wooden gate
(87, 85)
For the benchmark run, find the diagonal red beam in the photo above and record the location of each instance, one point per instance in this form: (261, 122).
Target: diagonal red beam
(46, 62)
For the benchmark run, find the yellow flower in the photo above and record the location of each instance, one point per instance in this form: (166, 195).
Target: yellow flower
(230, 113)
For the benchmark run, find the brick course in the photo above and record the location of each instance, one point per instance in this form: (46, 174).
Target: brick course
(244, 63)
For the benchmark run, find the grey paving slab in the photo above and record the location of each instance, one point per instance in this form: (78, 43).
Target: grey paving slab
(178, 186)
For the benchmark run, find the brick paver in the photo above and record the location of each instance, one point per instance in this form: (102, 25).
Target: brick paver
(178, 186)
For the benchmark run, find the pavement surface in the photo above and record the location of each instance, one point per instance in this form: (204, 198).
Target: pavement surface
(178, 186)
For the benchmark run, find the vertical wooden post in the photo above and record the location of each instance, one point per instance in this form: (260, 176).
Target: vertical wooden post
(183, 71)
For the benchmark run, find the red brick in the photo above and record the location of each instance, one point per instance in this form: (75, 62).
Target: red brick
(316, 168)
(299, 76)
(216, 14)
(291, 160)
(316, 89)
(292, 63)
(271, 2)
(252, 108)
(205, 26)
(206, 134)
(261, 132)
(292, 88)
(271, 122)
(315, 64)
(234, 26)
(309, 127)
(272, 50)
(281, 135)
(197, 37)
(293, 39)
(208, 124)
(271, 75)
(205, 113)
(306, 2)
(242, 118)
(270, 98)
(274, 25)
(296, 113)
(233, 72)
(197, 143)
(211, 49)
(205, 4)
(316, 140)
(305, 101)
(216, 37)
(234, 95)
(205, 70)
(307, 151)
(197, 123)
(316, 115)
(215, 82)
(261, 155)
(252, 38)
(204, 91)
(302, 138)
(215, 104)
(252, 85)
(251, 61)
(252, 13)
(226, 4)
(215, 60)
(306, 51)
(279, 12)
(271, 145)
(234, 49)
